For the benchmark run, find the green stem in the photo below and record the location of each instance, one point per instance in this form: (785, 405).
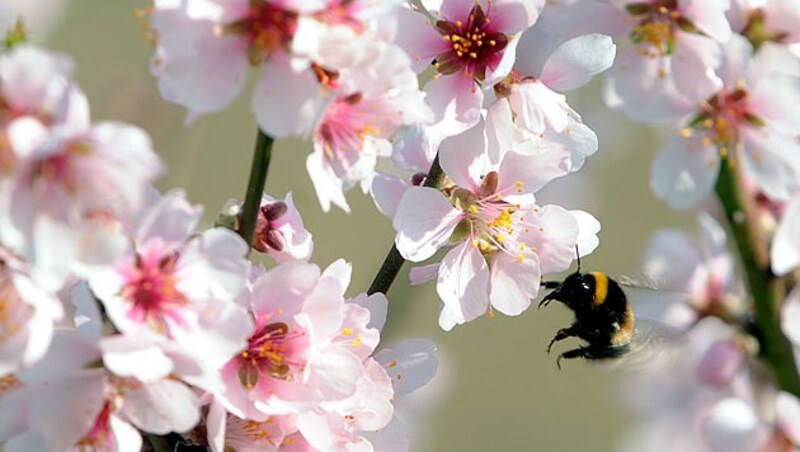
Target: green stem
(255, 186)
(394, 261)
(767, 290)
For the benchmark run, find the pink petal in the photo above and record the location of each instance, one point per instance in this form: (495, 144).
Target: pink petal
(533, 171)
(693, 64)
(514, 283)
(538, 107)
(334, 372)
(636, 85)
(772, 160)
(514, 16)
(162, 407)
(456, 101)
(788, 416)
(424, 222)
(709, 17)
(418, 37)
(776, 100)
(288, 102)
(733, 426)
(378, 306)
(284, 288)
(170, 218)
(329, 187)
(455, 10)
(62, 413)
(576, 61)
(126, 437)
(415, 149)
(463, 283)
(504, 66)
(462, 157)
(684, 172)
(387, 190)
(553, 232)
(423, 273)
(128, 356)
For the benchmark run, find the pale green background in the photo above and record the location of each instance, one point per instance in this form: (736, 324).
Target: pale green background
(498, 388)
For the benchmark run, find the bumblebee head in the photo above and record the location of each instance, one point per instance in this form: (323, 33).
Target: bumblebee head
(577, 290)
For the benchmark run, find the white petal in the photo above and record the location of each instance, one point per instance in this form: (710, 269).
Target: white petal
(786, 243)
(463, 283)
(410, 364)
(684, 172)
(162, 407)
(576, 61)
(514, 283)
(424, 222)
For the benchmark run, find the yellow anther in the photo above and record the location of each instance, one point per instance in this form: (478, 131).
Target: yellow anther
(357, 341)
(686, 132)
(521, 257)
(347, 331)
(473, 209)
(500, 238)
(459, 23)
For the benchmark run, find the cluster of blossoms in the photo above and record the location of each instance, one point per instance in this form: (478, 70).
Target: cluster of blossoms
(726, 75)
(119, 316)
(717, 393)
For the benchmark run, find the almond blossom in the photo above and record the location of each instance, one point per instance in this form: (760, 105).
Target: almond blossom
(528, 98)
(172, 295)
(668, 50)
(357, 125)
(751, 121)
(70, 401)
(504, 241)
(763, 21)
(704, 283)
(472, 46)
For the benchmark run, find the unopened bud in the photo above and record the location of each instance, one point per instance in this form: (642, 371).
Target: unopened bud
(274, 210)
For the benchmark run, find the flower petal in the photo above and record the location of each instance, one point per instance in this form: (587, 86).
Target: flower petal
(576, 61)
(514, 283)
(463, 284)
(684, 172)
(425, 220)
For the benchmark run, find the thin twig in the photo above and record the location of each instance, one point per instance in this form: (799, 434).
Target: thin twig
(255, 186)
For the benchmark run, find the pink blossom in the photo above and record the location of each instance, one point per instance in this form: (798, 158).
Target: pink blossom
(307, 345)
(751, 120)
(668, 51)
(503, 240)
(763, 21)
(174, 292)
(358, 124)
(539, 113)
(68, 400)
(66, 195)
(472, 47)
(697, 276)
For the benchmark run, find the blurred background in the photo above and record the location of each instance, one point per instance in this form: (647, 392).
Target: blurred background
(496, 388)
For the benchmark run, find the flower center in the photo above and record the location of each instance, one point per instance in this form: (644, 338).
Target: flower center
(473, 46)
(721, 118)
(348, 122)
(657, 23)
(490, 221)
(266, 28)
(151, 288)
(269, 354)
(97, 437)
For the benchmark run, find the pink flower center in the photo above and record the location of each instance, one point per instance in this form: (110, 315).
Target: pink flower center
(270, 352)
(58, 173)
(346, 125)
(151, 288)
(721, 118)
(473, 45)
(490, 221)
(266, 28)
(657, 22)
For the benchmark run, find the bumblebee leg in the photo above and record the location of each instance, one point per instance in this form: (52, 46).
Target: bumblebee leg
(562, 334)
(574, 353)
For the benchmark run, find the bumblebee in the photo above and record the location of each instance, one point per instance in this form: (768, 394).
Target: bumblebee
(603, 316)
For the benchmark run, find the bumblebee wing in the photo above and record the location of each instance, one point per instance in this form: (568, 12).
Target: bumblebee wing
(654, 347)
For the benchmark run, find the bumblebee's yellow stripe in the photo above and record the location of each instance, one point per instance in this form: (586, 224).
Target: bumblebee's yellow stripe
(600, 288)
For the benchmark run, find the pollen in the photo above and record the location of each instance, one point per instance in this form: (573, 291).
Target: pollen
(392, 363)
(473, 209)
(521, 257)
(347, 332)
